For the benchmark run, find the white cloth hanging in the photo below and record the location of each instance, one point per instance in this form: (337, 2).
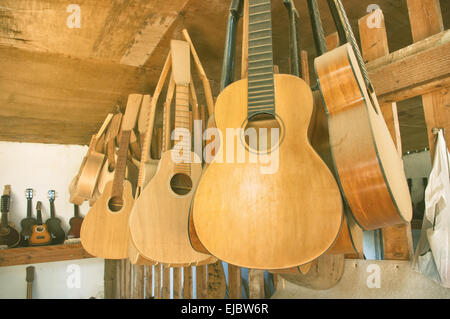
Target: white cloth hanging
(432, 256)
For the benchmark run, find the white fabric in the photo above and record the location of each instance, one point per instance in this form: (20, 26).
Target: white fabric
(435, 235)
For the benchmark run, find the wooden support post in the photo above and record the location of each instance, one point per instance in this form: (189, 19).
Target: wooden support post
(165, 291)
(216, 281)
(177, 289)
(397, 240)
(187, 283)
(200, 274)
(138, 281)
(426, 20)
(256, 283)
(234, 282)
(158, 281)
(148, 282)
(110, 279)
(128, 279)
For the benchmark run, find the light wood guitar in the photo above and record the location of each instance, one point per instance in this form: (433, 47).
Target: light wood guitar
(246, 213)
(159, 223)
(368, 166)
(104, 232)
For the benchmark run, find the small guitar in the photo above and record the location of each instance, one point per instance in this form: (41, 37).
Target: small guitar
(8, 235)
(29, 279)
(75, 223)
(39, 234)
(53, 223)
(28, 222)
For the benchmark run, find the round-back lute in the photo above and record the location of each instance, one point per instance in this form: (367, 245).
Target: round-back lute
(369, 170)
(8, 235)
(159, 222)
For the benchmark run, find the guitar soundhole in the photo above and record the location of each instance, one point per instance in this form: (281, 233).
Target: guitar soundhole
(115, 203)
(263, 133)
(181, 184)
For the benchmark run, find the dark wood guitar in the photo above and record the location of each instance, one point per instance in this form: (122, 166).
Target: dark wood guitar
(75, 223)
(53, 223)
(29, 279)
(40, 235)
(274, 212)
(369, 168)
(8, 235)
(28, 222)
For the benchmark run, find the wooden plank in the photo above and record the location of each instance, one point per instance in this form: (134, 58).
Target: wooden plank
(44, 254)
(128, 279)
(165, 289)
(187, 283)
(110, 278)
(426, 20)
(138, 281)
(148, 282)
(200, 282)
(421, 67)
(216, 281)
(158, 281)
(122, 279)
(234, 282)
(256, 283)
(177, 287)
(397, 240)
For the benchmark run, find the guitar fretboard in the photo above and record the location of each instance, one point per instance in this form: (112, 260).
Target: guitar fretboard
(119, 173)
(182, 120)
(261, 94)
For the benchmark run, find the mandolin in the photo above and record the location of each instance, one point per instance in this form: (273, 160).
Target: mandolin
(260, 210)
(39, 233)
(75, 223)
(369, 169)
(28, 222)
(9, 236)
(104, 232)
(159, 222)
(53, 223)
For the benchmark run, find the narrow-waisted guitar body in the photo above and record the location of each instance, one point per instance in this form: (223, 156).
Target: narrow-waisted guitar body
(274, 219)
(369, 169)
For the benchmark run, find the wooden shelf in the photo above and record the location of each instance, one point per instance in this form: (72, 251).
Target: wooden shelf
(43, 254)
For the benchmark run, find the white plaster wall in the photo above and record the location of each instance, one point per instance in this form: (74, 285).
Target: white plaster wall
(44, 167)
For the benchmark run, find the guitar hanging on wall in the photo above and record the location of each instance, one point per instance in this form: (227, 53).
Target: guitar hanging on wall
(8, 235)
(269, 208)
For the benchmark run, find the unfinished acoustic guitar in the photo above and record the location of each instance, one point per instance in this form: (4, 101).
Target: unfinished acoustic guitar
(265, 214)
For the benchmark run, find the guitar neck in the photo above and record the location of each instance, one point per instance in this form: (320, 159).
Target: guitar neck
(261, 93)
(182, 121)
(29, 203)
(4, 222)
(119, 173)
(52, 208)
(76, 210)
(4, 210)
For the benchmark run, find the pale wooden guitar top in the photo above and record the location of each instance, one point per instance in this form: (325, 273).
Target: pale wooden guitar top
(268, 221)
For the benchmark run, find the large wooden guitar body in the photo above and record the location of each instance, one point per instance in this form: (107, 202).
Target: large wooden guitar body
(369, 168)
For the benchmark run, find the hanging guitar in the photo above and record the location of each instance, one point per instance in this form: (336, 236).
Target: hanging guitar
(104, 232)
(8, 235)
(53, 223)
(28, 222)
(39, 233)
(369, 169)
(251, 214)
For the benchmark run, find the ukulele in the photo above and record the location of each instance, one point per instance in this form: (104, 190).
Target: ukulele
(244, 212)
(369, 168)
(104, 232)
(53, 223)
(29, 279)
(39, 233)
(28, 222)
(75, 223)
(8, 235)
(159, 222)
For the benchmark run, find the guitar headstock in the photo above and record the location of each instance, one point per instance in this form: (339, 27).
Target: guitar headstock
(5, 199)
(29, 193)
(30, 274)
(7, 190)
(51, 195)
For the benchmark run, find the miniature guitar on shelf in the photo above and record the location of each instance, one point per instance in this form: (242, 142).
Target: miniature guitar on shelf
(104, 232)
(264, 214)
(75, 223)
(369, 169)
(159, 222)
(8, 235)
(53, 223)
(39, 234)
(28, 222)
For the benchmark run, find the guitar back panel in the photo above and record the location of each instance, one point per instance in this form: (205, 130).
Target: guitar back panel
(370, 170)
(268, 221)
